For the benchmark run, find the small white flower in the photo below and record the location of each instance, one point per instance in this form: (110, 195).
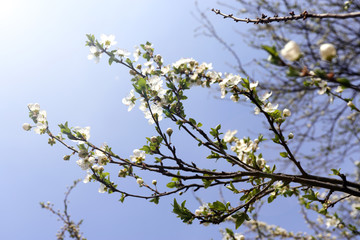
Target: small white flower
(102, 188)
(269, 108)
(265, 96)
(339, 89)
(87, 177)
(229, 136)
(40, 128)
(327, 51)
(95, 53)
(155, 109)
(101, 157)
(41, 117)
(139, 181)
(34, 107)
(137, 53)
(323, 87)
(253, 85)
(130, 100)
(85, 133)
(286, 112)
(183, 61)
(123, 53)
(165, 69)
(138, 157)
(108, 41)
(26, 126)
(291, 51)
(85, 163)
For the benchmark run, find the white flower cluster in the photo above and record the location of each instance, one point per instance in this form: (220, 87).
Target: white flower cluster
(244, 148)
(276, 231)
(39, 118)
(237, 236)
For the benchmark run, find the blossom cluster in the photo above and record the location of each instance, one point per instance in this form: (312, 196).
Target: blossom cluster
(39, 118)
(245, 149)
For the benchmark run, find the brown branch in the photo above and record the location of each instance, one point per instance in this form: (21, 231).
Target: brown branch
(304, 15)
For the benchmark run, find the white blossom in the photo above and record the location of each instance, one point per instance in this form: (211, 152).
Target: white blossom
(123, 52)
(138, 157)
(95, 53)
(140, 181)
(291, 51)
(40, 128)
(85, 133)
(286, 112)
(107, 40)
(33, 107)
(269, 108)
(155, 109)
(87, 177)
(85, 163)
(229, 136)
(183, 61)
(102, 188)
(137, 53)
(130, 100)
(327, 51)
(26, 126)
(101, 157)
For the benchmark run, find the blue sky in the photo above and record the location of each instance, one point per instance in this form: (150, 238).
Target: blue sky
(44, 59)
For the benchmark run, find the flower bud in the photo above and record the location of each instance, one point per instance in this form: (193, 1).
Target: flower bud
(139, 181)
(327, 51)
(153, 139)
(291, 51)
(291, 135)
(169, 131)
(66, 157)
(350, 104)
(286, 112)
(154, 182)
(26, 126)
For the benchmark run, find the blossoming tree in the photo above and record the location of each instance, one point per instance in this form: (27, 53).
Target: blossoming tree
(160, 89)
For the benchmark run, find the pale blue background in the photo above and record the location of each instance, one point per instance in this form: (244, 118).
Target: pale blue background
(43, 59)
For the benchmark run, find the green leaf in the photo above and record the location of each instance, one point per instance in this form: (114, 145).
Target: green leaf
(284, 154)
(171, 185)
(155, 200)
(240, 218)
(344, 82)
(218, 206)
(111, 60)
(271, 50)
(128, 61)
(206, 182)
(336, 172)
(192, 121)
(122, 198)
(182, 211)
